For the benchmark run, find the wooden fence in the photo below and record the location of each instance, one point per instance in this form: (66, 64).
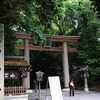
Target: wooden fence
(15, 90)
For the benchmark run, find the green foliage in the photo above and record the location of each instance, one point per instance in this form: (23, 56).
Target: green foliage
(95, 76)
(76, 77)
(88, 52)
(9, 83)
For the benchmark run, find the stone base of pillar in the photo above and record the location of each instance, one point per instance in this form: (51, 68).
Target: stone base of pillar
(65, 89)
(86, 89)
(29, 91)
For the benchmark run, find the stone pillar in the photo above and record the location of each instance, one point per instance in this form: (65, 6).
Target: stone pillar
(65, 65)
(23, 81)
(2, 63)
(26, 54)
(85, 84)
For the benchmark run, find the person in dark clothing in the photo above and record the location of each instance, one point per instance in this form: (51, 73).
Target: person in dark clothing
(35, 85)
(71, 87)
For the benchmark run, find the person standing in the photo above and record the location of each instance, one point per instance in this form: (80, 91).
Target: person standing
(71, 87)
(35, 85)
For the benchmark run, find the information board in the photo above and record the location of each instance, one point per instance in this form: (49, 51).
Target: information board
(55, 88)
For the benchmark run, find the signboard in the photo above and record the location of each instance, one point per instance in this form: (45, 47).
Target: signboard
(39, 76)
(55, 88)
(11, 75)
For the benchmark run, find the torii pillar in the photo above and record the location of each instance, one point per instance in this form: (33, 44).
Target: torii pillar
(65, 65)
(26, 38)
(26, 55)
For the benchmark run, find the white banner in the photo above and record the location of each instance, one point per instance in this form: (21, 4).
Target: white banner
(55, 88)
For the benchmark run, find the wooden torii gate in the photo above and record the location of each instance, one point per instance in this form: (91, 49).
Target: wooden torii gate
(64, 49)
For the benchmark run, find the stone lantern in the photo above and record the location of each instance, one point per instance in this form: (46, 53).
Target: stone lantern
(85, 71)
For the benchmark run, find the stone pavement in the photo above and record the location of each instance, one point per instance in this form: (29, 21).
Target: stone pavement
(79, 95)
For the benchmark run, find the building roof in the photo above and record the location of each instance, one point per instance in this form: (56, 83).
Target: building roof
(84, 69)
(16, 63)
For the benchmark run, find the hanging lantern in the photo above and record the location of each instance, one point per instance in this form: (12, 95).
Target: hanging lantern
(48, 42)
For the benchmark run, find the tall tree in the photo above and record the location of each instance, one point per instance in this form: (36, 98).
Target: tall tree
(61, 17)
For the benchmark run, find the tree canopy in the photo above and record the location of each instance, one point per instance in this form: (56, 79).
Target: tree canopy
(56, 17)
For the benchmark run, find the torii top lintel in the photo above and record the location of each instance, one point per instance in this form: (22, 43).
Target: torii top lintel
(22, 35)
(55, 38)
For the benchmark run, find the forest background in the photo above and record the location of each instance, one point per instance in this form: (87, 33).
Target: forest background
(55, 17)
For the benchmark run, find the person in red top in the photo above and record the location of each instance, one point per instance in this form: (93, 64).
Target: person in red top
(71, 87)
